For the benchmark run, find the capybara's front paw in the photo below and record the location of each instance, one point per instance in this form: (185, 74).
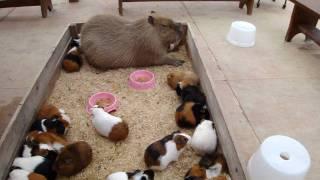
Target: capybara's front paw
(177, 62)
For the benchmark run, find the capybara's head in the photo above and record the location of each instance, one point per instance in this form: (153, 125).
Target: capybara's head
(73, 158)
(172, 34)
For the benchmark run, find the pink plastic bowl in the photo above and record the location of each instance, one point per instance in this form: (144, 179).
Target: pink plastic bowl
(103, 95)
(141, 80)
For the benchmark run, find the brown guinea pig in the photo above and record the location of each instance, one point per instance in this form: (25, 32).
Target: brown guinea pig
(190, 114)
(186, 78)
(73, 158)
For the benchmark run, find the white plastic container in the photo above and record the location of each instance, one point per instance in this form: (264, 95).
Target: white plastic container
(242, 34)
(279, 158)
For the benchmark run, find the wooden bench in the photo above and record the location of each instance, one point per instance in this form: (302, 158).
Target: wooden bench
(304, 19)
(248, 3)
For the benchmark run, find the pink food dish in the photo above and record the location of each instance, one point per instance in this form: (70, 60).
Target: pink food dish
(105, 99)
(141, 80)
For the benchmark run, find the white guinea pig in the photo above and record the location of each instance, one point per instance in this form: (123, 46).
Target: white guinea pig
(136, 175)
(204, 139)
(161, 153)
(112, 127)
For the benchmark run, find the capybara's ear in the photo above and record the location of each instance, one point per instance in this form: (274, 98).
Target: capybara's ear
(151, 20)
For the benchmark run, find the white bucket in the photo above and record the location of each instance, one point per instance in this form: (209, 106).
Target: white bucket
(242, 34)
(279, 158)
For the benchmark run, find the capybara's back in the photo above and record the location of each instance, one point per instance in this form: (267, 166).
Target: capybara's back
(112, 42)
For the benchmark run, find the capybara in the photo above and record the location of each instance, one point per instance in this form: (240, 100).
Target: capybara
(112, 42)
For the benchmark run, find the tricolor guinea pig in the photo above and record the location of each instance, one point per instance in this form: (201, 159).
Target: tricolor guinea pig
(72, 61)
(190, 114)
(37, 164)
(161, 153)
(211, 166)
(186, 78)
(191, 94)
(46, 139)
(136, 175)
(73, 158)
(34, 149)
(20, 174)
(112, 127)
(204, 139)
(52, 119)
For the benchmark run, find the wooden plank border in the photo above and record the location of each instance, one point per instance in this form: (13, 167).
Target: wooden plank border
(21, 121)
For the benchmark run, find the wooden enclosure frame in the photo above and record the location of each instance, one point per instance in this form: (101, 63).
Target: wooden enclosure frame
(21, 121)
(249, 3)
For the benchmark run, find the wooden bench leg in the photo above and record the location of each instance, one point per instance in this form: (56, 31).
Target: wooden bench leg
(300, 16)
(44, 7)
(50, 7)
(249, 4)
(120, 7)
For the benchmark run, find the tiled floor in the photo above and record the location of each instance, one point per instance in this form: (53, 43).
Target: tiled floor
(272, 88)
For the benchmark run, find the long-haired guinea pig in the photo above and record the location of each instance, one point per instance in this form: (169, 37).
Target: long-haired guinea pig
(211, 166)
(186, 78)
(37, 164)
(190, 114)
(51, 119)
(112, 127)
(46, 138)
(136, 175)
(73, 158)
(20, 174)
(204, 139)
(191, 94)
(161, 153)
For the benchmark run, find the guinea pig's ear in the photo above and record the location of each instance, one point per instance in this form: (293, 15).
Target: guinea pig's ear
(151, 20)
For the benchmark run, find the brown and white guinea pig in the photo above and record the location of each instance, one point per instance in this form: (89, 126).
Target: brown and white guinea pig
(72, 61)
(112, 127)
(204, 139)
(186, 78)
(46, 139)
(73, 158)
(20, 174)
(51, 119)
(37, 164)
(211, 166)
(191, 93)
(161, 153)
(110, 42)
(136, 175)
(190, 114)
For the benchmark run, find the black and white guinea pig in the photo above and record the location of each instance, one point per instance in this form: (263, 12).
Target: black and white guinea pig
(190, 114)
(20, 174)
(161, 153)
(191, 94)
(72, 61)
(136, 175)
(53, 125)
(37, 164)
